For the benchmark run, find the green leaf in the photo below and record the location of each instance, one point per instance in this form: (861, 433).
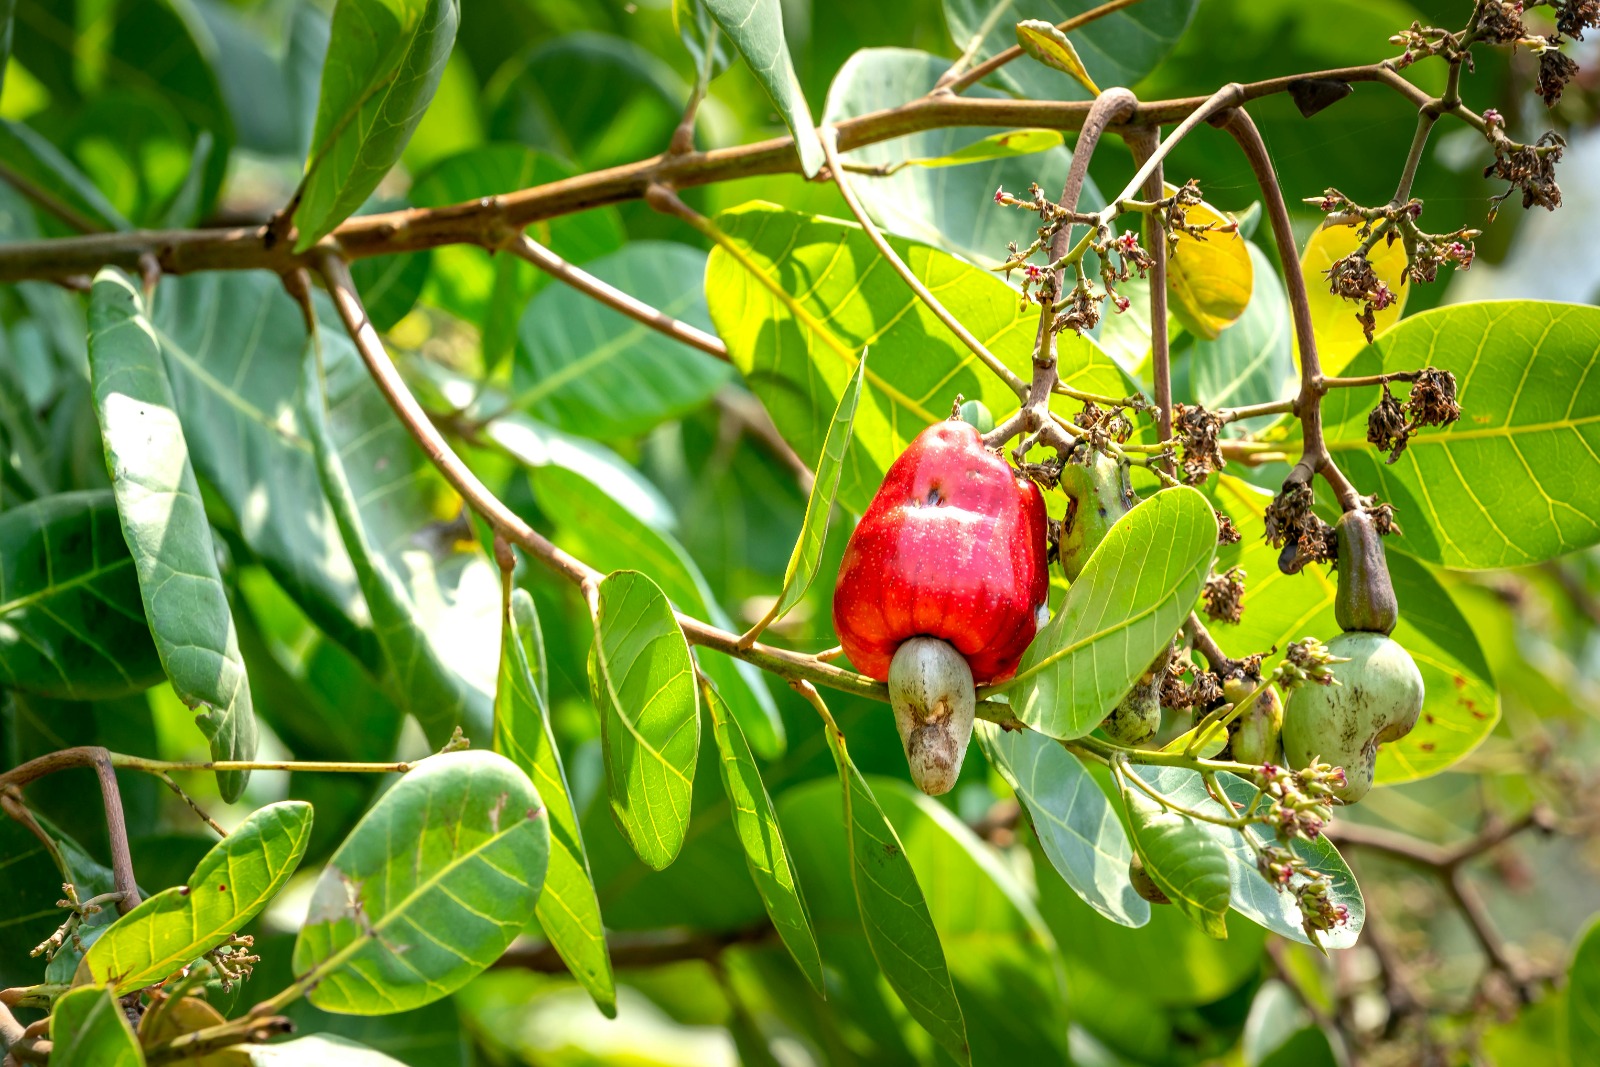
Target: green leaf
(568, 911)
(1252, 896)
(600, 521)
(230, 886)
(318, 1050)
(88, 1029)
(1075, 824)
(764, 849)
(56, 178)
(164, 523)
(942, 185)
(1461, 702)
(894, 912)
(807, 555)
(1251, 361)
(70, 624)
(756, 29)
(1187, 863)
(1043, 42)
(8, 10)
(1583, 994)
(1517, 479)
(440, 693)
(642, 678)
(796, 298)
(226, 338)
(1132, 596)
(592, 370)
(1118, 49)
(385, 58)
(428, 890)
(32, 885)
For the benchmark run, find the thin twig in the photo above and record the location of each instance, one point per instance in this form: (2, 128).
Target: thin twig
(829, 136)
(615, 298)
(1143, 144)
(189, 800)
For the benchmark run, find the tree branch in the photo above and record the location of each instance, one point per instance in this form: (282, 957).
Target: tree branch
(490, 221)
(1143, 144)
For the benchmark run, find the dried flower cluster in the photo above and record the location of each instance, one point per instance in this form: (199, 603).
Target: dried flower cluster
(1224, 596)
(1198, 431)
(1293, 526)
(1432, 402)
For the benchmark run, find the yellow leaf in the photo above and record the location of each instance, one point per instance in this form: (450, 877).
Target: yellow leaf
(1333, 319)
(1210, 279)
(1050, 46)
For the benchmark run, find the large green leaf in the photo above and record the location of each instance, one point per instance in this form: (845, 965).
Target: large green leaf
(569, 911)
(797, 297)
(432, 602)
(8, 9)
(756, 29)
(1252, 896)
(70, 622)
(591, 370)
(1117, 49)
(1517, 479)
(229, 340)
(642, 678)
(1583, 995)
(1252, 361)
(764, 848)
(384, 61)
(596, 522)
(1074, 822)
(1186, 862)
(31, 887)
(894, 912)
(230, 886)
(164, 523)
(1461, 702)
(428, 890)
(36, 161)
(951, 207)
(1132, 596)
(807, 555)
(88, 1029)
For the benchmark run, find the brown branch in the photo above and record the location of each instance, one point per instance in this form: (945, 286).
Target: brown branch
(488, 220)
(1143, 144)
(1315, 457)
(615, 298)
(648, 948)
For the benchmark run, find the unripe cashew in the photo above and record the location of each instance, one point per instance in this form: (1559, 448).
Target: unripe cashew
(1137, 716)
(930, 687)
(1378, 699)
(1256, 732)
(1098, 496)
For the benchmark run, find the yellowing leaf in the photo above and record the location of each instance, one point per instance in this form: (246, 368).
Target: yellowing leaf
(1050, 46)
(1002, 145)
(1209, 279)
(1333, 319)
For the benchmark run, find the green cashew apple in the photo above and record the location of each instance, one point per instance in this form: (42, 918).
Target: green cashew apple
(1143, 884)
(1256, 733)
(1137, 716)
(1097, 496)
(1378, 698)
(1365, 600)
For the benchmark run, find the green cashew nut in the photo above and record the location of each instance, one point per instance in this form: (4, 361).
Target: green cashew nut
(1366, 599)
(1097, 496)
(1378, 698)
(1256, 733)
(1137, 716)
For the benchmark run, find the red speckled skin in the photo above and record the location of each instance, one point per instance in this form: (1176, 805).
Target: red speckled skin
(951, 547)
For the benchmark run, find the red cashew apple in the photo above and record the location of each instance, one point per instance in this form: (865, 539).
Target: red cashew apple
(942, 587)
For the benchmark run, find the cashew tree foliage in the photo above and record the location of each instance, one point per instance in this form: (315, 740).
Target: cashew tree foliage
(513, 515)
